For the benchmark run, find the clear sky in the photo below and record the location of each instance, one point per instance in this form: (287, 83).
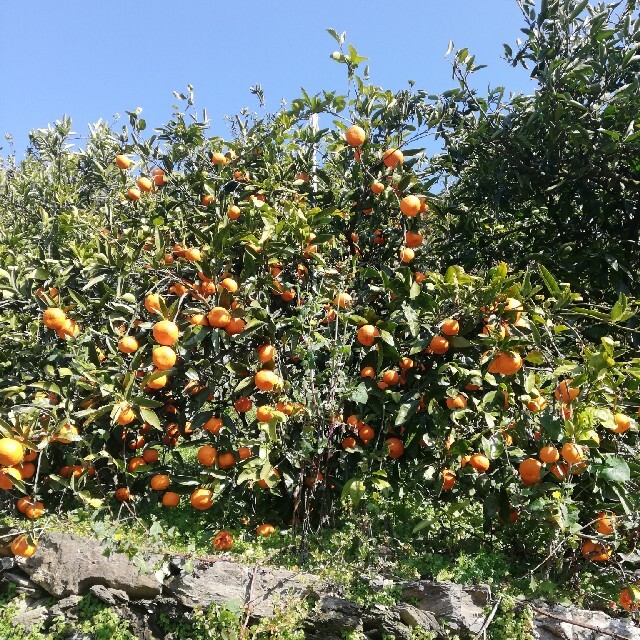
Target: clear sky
(92, 59)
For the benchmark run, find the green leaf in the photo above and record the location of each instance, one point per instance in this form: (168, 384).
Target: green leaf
(354, 489)
(150, 416)
(406, 410)
(614, 469)
(549, 280)
(360, 395)
(413, 319)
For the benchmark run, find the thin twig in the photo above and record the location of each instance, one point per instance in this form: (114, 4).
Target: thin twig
(488, 619)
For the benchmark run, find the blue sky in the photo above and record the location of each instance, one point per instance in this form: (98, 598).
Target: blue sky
(95, 59)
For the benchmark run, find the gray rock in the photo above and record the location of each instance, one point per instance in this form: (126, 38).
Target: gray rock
(548, 628)
(66, 608)
(23, 584)
(219, 583)
(383, 622)
(462, 606)
(272, 585)
(334, 615)
(6, 564)
(31, 618)
(67, 564)
(413, 617)
(111, 597)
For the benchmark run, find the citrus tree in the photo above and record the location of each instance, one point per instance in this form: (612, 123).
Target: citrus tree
(267, 325)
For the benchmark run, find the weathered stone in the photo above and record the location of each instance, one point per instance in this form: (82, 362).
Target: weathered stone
(66, 565)
(66, 608)
(22, 584)
(31, 617)
(6, 564)
(549, 628)
(220, 583)
(413, 617)
(269, 586)
(111, 597)
(462, 606)
(334, 616)
(383, 622)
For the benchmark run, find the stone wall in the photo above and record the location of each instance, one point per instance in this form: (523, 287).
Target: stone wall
(66, 567)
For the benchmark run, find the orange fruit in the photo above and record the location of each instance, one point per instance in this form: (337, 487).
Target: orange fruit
(479, 462)
(66, 434)
(134, 463)
(530, 470)
(123, 162)
(410, 206)
(23, 547)
(159, 482)
(343, 300)
(450, 327)
(566, 393)
(201, 499)
(448, 479)
(377, 187)
(193, 254)
(572, 453)
(595, 552)
(122, 494)
(226, 460)
(234, 212)
(7, 476)
(235, 327)
(349, 442)
(368, 372)
(265, 530)
(459, 402)
(150, 455)
(199, 320)
(128, 344)
(537, 404)
(11, 452)
(244, 453)
(629, 598)
(166, 332)
(219, 159)
(133, 193)
(392, 157)
(152, 303)
(34, 510)
(549, 454)
(159, 177)
(126, 416)
(406, 363)
(54, 318)
(229, 284)
(367, 334)
(264, 413)
(605, 523)
(439, 345)
(266, 352)
(164, 357)
(366, 434)
(506, 364)
(170, 499)
(266, 380)
(355, 136)
(213, 425)
(560, 470)
(390, 377)
(413, 240)
(242, 405)
(406, 255)
(623, 423)
(223, 541)
(394, 447)
(144, 184)
(158, 382)
(207, 455)
(219, 317)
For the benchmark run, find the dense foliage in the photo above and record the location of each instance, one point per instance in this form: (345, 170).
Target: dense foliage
(271, 326)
